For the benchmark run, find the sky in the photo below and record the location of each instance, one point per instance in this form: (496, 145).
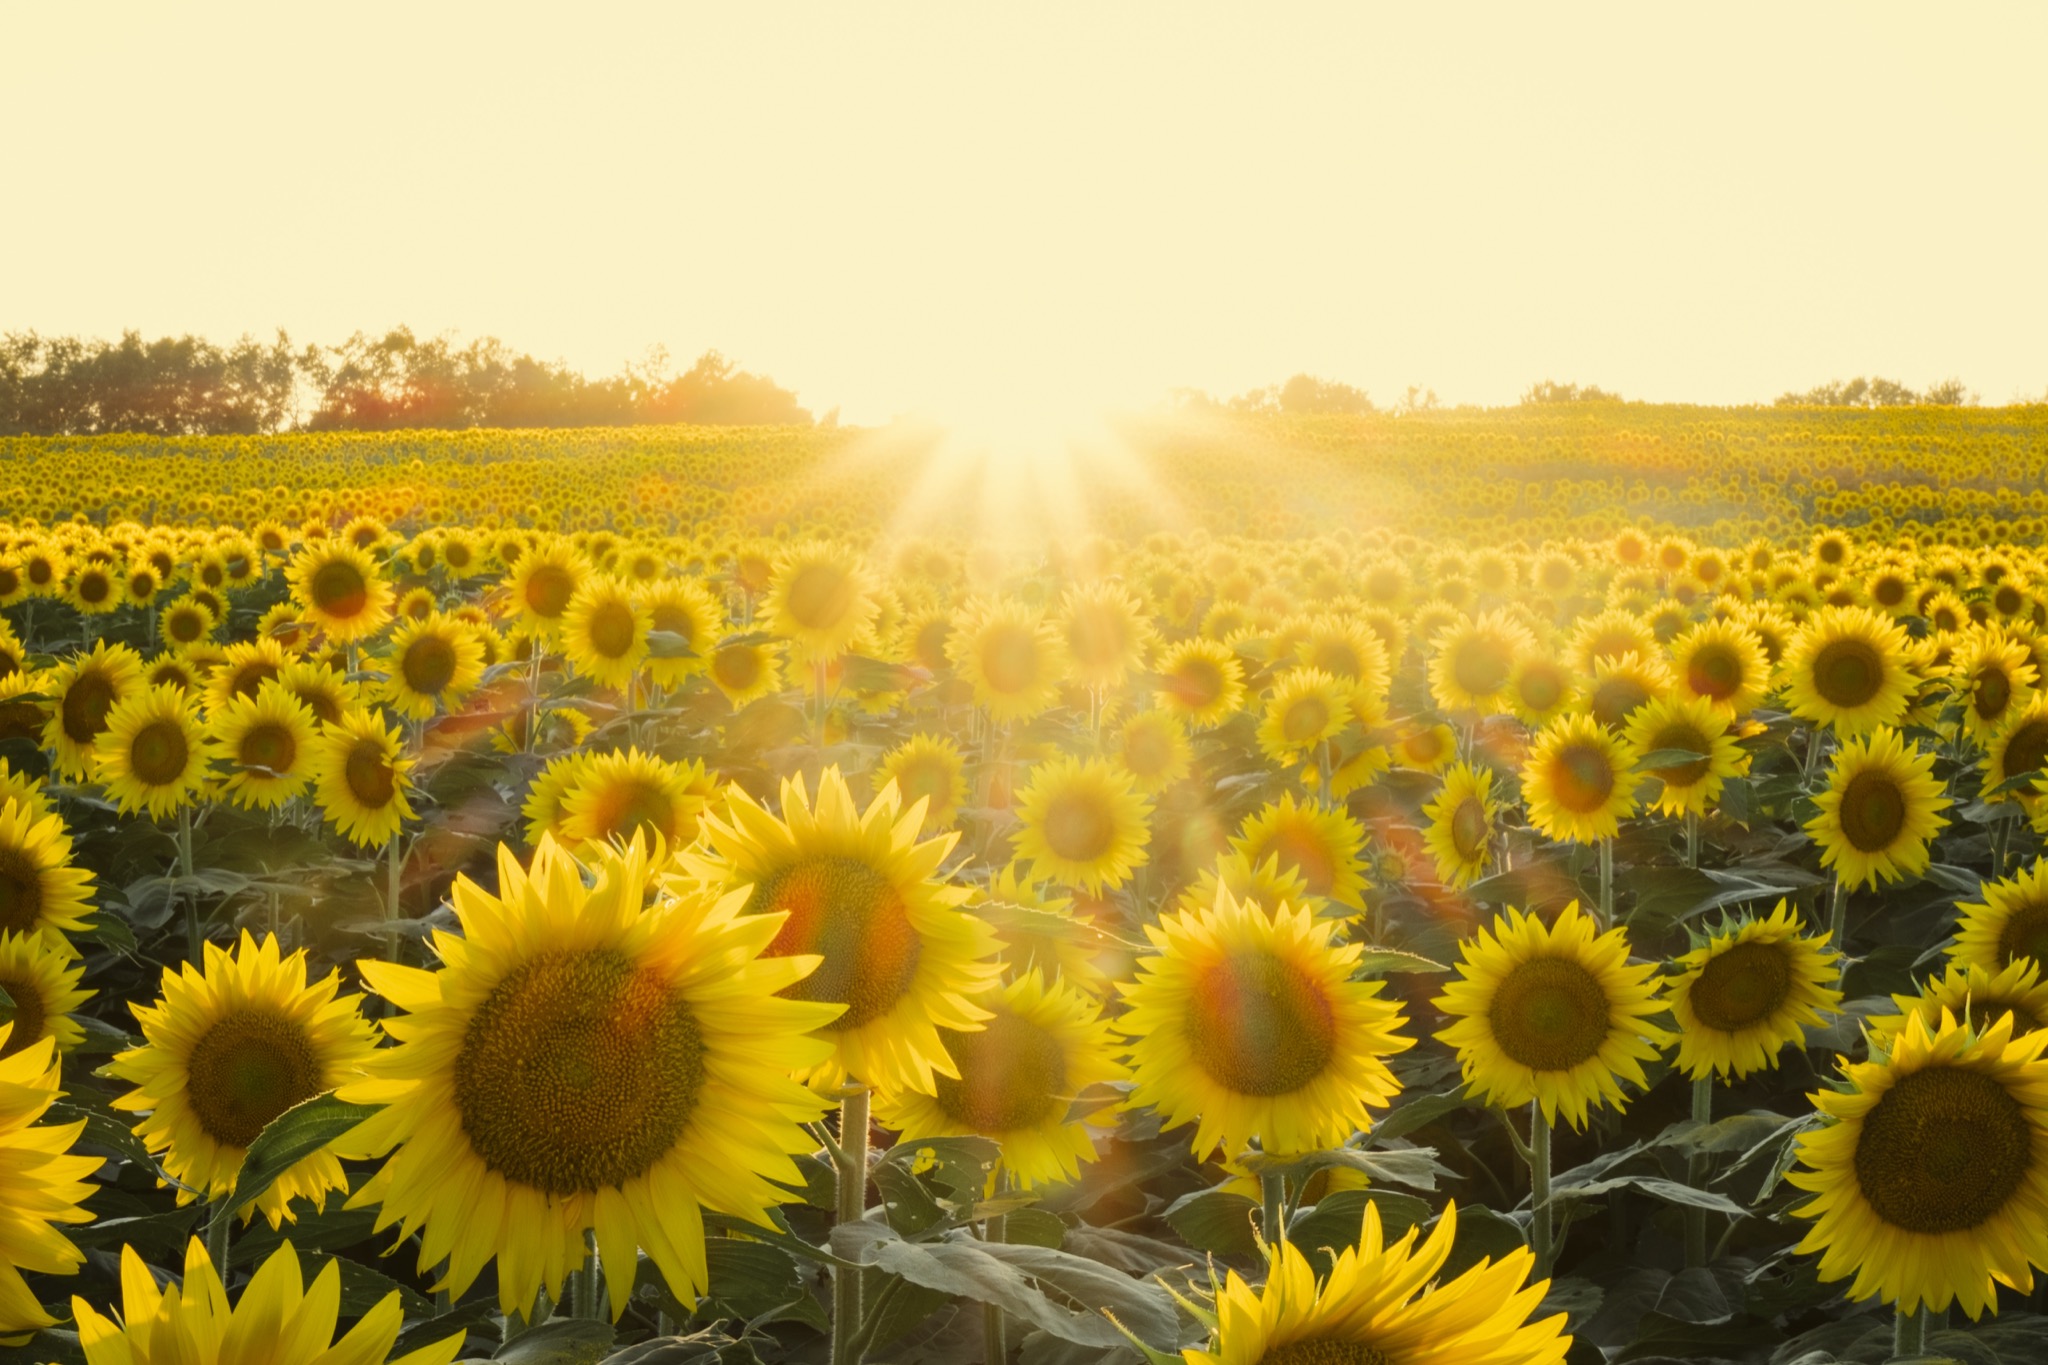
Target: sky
(1013, 213)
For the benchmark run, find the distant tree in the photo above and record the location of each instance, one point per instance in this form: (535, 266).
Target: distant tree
(1877, 392)
(1417, 399)
(1550, 391)
(173, 386)
(1303, 393)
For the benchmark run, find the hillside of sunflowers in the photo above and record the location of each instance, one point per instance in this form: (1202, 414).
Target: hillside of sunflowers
(1549, 884)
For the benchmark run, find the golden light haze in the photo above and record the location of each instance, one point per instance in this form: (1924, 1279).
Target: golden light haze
(972, 212)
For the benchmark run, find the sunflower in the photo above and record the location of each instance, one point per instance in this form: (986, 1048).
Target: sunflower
(1105, 632)
(1722, 662)
(320, 689)
(1623, 685)
(684, 608)
(360, 778)
(41, 981)
(1696, 725)
(2009, 925)
(1248, 1023)
(1552, 1014)
(746, 671)
(243, 669)
(1846, 668)
(1539, 688)
(1994, 679)
(1201, 683)
(94, 589)
(1152, 746)
(583, 1061)
(1473, 660)
(1010, 656)
(544, 581)
(1320, 844)
(228, 1048)
(929, 768)
(1971, 993)
(433, 663)
(45, 1184)
(1349, 651)
(185, 623)
(1018, 1077)
(1750, 991)
(266, 744)
(278, 1318)
(818, 599)
(1578, 782)
(1931, 1180)
(151, 756)
(2021, 747)
(1609, 635)
(604, 631)
(1305, 710)
(862, 892)
(615, 796)
(87, 688)
(339, 590)
(1040, 931)
(1460, 830)
(1385, 1304)
(1426, 748)
(1267, 884)
(1881, 809)
(1083, 822)
(32, 791)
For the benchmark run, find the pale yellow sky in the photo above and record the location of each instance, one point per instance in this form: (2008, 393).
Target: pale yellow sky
(967, 207)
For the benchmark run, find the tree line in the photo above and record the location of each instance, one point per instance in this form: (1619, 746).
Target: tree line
(188, 386)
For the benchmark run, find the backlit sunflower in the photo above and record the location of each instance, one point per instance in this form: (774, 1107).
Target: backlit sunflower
(1305, 710)
(1321, 844)
(1010, 656)
(583, 1060)
(1425, 748)
(265, 747)
(1555, 1014)
(1347, 649)
(1201, 682)
(227, 1049)
(1385, 1304)
(684, 608)
(1994, 679)
(279, 1318)
(2009, 925)
(2021, 747)
(1931, 1183)
(1539, 688)
(1977, 997)
(1471, 663)
(929, 768)
(360, 778)
(819, 600)
(45, 1185)
(1578, 781)
(1083, 822)
(242, 670)
(1153, 748)
(1847, 668)
(152, 755)
(543, 583)
(1749, 992)
(339, 589)
(41, 979)
(1695, 725)
(1105, 632)
(1610, 634)
(1623, 685)
(1266, 884)
(1881, 808)
(1248, 1024)
(431, 664)
(859, 890)
(746, 671)
(87, 688)
(1018, 1077)
(1722, 662)
(613, 796)
(1459, 834)
(1041, 931)
(604, 632)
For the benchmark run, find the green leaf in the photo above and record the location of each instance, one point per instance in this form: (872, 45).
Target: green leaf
(753, 1281)
(667, 644)
(1670, 758)
(1214, 1220)
(1337, 1220)
(1670, 1191)
(1380, 961)
(1034, 1227)
(290, 1138)
(1415, 1167)
(1482, 1234)
(1418, 1113)
(562, 1341)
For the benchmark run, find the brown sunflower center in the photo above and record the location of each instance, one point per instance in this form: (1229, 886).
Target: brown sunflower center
(1714, 671)
(1470, 829)
(1196, 684)
(613, 629)
(1541, 688)
(27, 1013)
(1581, 777)
(1305, 720)
(855, 919)
(1873, 811)
(160, 754)
(1009, 659)
(1550, 1014)
(429, 664)
(1615, 698)
(1848, 672)
(94, 587)
(1742, 986)
(251, 676)
(339, 589)
(251, 1066)
(1079, 827)
(1945, 1149)
(2024, 934)
(1013, 1074)
(367, 772)
(21, 890)
(820, 596)
(2026, 749)
(622, 807)
(548, 590)
(1260, 1025)
(1992, 694)
(1326, 1351)
(268, 746)
(85, 706)
(185, 625)
(737, 667)
(1680, 735)
(1480, 667)
(578, 1072)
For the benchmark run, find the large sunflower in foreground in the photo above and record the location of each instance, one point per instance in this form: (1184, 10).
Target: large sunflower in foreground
(40, 891)
(1248, 1024)
(1847, 668)
(339, 589)
(152, 755)
(1882, 806)
(1578, 781)
(360, 778)
(1459, 835)
(1386, 1305)
(45, 1185)
(1555, 1014)
(1695, 725)
(1019, 1076)
(584, 1061)
(1749, 992)
(2009, 925)
(1931, 1183)
(1083, 822)
(279, 1317)
(229, 1048)
(861, 892)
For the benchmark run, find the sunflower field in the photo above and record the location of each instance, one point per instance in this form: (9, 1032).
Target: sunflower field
(1556, 884)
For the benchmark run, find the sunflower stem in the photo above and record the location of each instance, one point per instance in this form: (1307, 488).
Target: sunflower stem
(1909, 1334)
(217, 1229)
(2001, 832)
(1539, 1189)
(1273, 1188)
(1606, 884)
(1838, 916)
(995, 1343)
(589, 1282)
(195, 932)
(1696, 1171)
(394, 863)
(1692, 838)
(852, 1202)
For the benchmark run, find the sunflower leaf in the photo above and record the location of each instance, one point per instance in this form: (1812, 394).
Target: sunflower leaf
(1670, 758)
(1380, 961)
(290, 1138)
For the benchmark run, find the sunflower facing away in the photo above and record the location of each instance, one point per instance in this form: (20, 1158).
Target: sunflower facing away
(1931, 1184)
(339, 590)
(1882, 806)
(1083, 822)
(1749, 992)
(1019, 1076)
(1554, 1014)
(1847, 669)
(1386, 1305)
(42, 982)
(1578, 781)
(1695, 725)
(858, 890)
(226, 1050)
(582, 1061)
(1249, 1025)
(359, 778)
(279, 1317)
(1459, 835)
(40, 891)
(45, 1185)
(2009, 925)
